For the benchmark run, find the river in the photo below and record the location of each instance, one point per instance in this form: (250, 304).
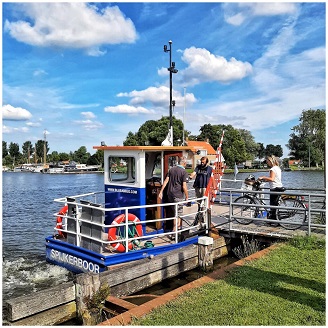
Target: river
(28, 208)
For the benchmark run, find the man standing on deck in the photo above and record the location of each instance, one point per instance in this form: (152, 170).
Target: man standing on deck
(203, 173)
(176, 182)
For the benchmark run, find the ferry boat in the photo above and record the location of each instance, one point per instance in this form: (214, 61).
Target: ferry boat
(126, 221)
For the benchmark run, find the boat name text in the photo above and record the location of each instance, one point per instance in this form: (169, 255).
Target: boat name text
(75, 261)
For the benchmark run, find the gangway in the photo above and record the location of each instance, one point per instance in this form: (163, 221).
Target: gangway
(224, 221)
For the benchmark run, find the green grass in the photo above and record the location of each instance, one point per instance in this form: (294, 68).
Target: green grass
(283, 288)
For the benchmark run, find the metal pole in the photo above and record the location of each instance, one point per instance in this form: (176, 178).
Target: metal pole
(172, 70)
(184, 111)
(171, 129)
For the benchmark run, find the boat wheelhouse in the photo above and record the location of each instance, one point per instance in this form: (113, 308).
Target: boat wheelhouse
(92, 232)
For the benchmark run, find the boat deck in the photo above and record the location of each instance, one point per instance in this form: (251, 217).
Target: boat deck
(220, 219)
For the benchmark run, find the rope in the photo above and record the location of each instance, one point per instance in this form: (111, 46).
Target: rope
(135, 243)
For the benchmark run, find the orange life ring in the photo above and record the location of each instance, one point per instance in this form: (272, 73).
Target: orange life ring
(112, 231)
(59, 224)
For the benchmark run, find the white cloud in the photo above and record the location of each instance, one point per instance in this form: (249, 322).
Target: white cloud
(206, 67)
(39, 72)
(162, 71)
(33, 124)
(10, 130)
(237, 13)
(158, 97)
(89, 124)
(270, 8)
(11, 113)
(72, 25)
(126, 109)
(88, 115)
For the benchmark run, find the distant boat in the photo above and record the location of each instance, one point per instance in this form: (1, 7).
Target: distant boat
(30, 168)
(80, 168)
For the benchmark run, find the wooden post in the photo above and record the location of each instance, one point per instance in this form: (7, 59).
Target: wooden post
(205, 253)
(86, 286)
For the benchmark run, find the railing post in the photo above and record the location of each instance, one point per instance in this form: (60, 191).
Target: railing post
(309, 216)
(230, 210)
(126, 230)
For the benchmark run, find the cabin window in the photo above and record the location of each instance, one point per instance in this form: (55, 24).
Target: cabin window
(122, 169)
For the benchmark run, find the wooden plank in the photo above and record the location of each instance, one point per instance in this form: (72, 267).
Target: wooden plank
(140, 283)
(24, 306)
(169, 268)
(142, 267)
(118, 304)
(55, 316)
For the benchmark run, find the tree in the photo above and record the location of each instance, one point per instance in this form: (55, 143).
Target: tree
(27, 150)
(4, 149)
(97, 158)
(307, 141)
(260, 150)
(153, 133)
(54, 157)
(81, 155)
(250, 144)
(233, 147)
(39, 150)
(14, 150)
(273, 150)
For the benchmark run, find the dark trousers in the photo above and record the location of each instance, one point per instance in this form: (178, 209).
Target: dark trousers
(274, 201)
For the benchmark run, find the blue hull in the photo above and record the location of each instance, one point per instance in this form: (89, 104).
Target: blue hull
(79, 260)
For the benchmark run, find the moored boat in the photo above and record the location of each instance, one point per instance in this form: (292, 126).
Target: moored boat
(126, 221)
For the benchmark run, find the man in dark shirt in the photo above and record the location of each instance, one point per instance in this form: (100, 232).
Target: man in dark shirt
(176, 182)
(203, 173)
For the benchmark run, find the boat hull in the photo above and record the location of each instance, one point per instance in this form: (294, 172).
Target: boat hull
(81, 260)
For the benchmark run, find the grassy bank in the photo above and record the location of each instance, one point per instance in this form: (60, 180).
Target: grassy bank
(284, 288)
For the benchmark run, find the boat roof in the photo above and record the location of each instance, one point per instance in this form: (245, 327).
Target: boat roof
(145, 148)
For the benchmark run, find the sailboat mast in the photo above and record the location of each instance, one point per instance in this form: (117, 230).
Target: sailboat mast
(44, 149)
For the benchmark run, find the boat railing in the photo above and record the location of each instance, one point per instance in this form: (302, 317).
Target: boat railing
(83, 224)
(315, 208)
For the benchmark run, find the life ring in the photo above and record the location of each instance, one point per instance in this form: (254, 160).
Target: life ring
(59, 224)
(112, 231)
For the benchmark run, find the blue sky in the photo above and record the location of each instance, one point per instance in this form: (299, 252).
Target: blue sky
(92, 72)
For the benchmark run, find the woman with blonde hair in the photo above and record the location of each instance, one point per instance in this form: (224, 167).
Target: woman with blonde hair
(275, 183)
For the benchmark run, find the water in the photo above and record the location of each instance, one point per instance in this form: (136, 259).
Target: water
(28, 210)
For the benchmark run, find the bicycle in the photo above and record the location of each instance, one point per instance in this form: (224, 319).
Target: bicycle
(291, 208)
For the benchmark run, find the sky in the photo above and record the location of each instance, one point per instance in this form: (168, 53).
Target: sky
(82, 73)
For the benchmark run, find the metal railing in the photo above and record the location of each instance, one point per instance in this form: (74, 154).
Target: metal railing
(80, 203)
(315, 205)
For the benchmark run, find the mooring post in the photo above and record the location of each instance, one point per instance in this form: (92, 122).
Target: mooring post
(205, 253)
(87, 285)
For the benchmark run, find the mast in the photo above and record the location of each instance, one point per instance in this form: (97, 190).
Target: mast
(172, 70)
(44, 148)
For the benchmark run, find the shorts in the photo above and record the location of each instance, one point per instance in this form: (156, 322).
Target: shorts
(172, 207)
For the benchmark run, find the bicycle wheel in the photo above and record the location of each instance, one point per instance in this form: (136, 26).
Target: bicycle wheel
(295, 216)
(244, 212)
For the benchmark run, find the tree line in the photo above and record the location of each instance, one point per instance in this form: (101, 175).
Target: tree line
(306, 143)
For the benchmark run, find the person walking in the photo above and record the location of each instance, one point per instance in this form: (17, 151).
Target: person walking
(275, 183)
(177, 191)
